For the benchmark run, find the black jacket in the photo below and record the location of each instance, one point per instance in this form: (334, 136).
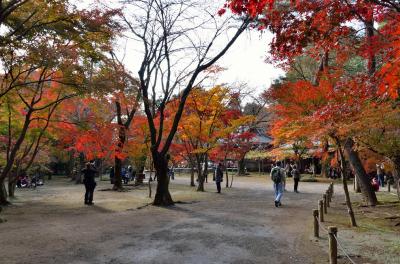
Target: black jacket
(88, 176)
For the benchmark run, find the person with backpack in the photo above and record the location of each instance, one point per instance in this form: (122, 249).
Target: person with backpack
(277, 176)
(90, 184)
(296, 177)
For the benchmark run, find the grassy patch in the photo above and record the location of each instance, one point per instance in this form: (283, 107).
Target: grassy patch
(386, 198)
(308, 178)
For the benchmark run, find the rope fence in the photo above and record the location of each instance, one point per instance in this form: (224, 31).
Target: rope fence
(318, 215)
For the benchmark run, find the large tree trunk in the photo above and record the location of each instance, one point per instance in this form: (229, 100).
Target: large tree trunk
(226, 173)
(12, 180)
(11, 189)
(192, 174)
(345, 188)
(362, 177)
(200, 187)
(205, 171)
(396, 167)
(11, 185)
(117, 174)
(162, 197)
(3, 194)
(117, 160)
(16, 146)
(357, 188)
(325, 159)
(396, 173)
(241, 167)
(192, 169)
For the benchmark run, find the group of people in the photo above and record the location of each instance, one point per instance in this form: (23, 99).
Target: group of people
(127, 174)
(381, 177)
(278, 177)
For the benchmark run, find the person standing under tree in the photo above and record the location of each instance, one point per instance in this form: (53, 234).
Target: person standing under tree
(219, 175)
(296, 177)
(277, 176)
(112, 175)
(90, 184)
(380, 173)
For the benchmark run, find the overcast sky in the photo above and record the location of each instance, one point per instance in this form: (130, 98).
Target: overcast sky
(244, 62)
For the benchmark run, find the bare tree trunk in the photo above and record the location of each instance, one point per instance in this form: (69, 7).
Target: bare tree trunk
(366, 187)
(11, 189)
(162, 197)
(396, 167)
(78, 176)
(345, 188)
(3, 194)
(227, 176)
(16, 146)
(120, 145)
(205, 171)
(192, 174)
(12, 179)
(117, 174)
(325, 159)
(396, 173)
(357, 185)
(200, 187)
(149, 188)
(241, 167)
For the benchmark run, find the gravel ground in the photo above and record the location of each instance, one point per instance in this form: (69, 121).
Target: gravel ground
(241, 225)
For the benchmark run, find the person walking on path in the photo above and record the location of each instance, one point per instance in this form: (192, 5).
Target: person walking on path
(90, 184)
(277, 176)
(219, 175)
(296, 178)
(171, 173)
(380, 173)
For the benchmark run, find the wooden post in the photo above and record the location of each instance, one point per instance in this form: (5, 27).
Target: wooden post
(332, 188)
(327, 199)
(321, 210)
(316, 224)
(332, 244)
(388, 186)
(325, 205)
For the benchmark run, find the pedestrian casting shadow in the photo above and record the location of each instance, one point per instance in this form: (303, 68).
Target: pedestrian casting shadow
(126, 188)
(171, 207)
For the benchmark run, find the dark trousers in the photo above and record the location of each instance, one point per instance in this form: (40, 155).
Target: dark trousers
(89, 193)
(219, 187)
(381, 179)
(296, 184)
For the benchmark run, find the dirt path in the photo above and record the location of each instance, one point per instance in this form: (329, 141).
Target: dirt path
(51, 225)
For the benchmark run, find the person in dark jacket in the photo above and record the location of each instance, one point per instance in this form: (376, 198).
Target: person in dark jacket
(296, 177)
(219, 175)
(112, 175)
(90, 184)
